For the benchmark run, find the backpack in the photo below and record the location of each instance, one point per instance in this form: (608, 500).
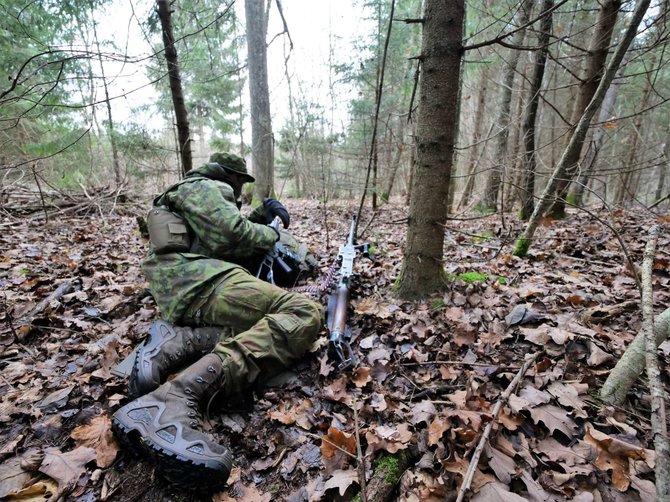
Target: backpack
(168, 232)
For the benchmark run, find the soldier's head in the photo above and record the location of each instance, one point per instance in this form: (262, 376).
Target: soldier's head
(236, 169)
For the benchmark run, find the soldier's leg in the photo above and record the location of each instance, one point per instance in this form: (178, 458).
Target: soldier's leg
(274, 327)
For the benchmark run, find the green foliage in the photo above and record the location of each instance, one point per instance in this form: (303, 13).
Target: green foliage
(521, 247)
(484, 236)
(208, 43)
(470, 277)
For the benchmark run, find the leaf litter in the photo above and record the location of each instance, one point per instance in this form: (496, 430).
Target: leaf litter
(428, 378)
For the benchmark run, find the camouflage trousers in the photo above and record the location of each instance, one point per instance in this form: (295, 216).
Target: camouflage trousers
(271, 328)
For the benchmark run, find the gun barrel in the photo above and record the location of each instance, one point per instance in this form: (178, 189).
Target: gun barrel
(340, 313)
(351, 238)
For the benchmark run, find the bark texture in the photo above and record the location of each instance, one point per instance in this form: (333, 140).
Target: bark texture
(632, 363)
(262, 154)
(181, 115)
(591, 76)
(529, 160)
(659, 426)
(422, 272)
(579, 134)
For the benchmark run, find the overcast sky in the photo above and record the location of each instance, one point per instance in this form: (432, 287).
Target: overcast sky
(313, 25)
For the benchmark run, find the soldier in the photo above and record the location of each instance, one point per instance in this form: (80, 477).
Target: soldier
(240, 329)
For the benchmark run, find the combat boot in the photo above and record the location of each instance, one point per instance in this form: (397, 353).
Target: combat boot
(167, 424)
(168, 349)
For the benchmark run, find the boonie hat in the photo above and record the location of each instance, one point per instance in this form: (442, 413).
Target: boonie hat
(233, 163)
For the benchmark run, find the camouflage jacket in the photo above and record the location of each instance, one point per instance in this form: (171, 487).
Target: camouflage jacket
(221, 239)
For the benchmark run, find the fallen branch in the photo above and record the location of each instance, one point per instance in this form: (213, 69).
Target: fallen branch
(602, 313)
(474, 461)
(359, 455)
(63, 289)
(659, 426)
(632, 362)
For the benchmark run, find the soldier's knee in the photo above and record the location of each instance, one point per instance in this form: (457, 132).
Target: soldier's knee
(310, 313)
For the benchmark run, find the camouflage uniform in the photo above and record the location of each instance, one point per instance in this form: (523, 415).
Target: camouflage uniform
(208, 286)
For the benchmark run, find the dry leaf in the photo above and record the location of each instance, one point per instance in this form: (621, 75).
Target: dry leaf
(66, 468)
(98, 434)
(361, 376)
(568, 395)
(342, 480)
(503, 466)
(496, 492)
(554, 418)
(436, 429)
(333, 448)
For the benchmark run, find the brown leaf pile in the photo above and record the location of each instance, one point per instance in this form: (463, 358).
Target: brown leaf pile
(429, 373)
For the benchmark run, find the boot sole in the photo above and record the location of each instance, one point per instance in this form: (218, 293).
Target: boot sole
(203, 477)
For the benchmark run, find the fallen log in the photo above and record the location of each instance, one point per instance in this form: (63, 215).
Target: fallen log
(632, 363)
(63, 289)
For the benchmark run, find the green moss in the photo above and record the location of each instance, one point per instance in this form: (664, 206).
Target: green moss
(389, 465)
(521, 247)
(480, 210)
(483, 237)
(502, 280)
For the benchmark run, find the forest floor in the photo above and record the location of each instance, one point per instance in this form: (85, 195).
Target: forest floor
(428, 378)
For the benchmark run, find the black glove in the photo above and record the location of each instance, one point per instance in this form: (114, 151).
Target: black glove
(275, 208)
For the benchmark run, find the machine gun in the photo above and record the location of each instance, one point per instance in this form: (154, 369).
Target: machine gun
(339, 349)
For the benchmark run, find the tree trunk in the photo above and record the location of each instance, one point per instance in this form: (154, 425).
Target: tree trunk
(422, 272)
(397, 157)
(579, 134)
(665, 165)
(510, 191)
(489, 201)
(261, 122)
(591, 75)
(529, 160)
(478, 126)
(116, 166)
(591, 155)
(624, 191)
(181, 115)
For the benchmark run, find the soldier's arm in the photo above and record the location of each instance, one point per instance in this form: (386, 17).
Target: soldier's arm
(213, 216)
(258, 215)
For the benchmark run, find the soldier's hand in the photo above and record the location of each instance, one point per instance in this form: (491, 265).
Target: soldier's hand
(275, 208)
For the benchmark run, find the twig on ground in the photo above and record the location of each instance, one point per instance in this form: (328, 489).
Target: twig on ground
(316, 436)
(659, 425)
(469, 475)
(460, 363)
(359, 455)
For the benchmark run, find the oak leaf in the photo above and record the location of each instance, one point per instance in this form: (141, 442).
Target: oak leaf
(554, 418)
(98, 434)
(436, 428)
(66, 468)
(342, 480)
(334, 444)
(496, 492)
